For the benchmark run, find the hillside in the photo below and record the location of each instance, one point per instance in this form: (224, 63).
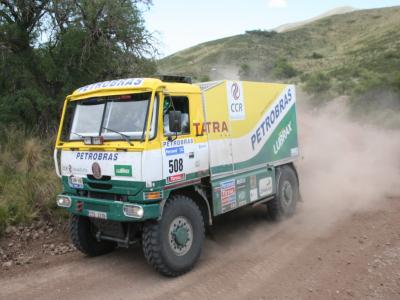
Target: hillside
(347, 45)
(295, 25)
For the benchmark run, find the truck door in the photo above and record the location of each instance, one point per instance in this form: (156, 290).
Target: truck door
(185, 157)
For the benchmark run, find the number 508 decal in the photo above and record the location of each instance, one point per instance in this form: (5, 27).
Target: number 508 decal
(175, 165)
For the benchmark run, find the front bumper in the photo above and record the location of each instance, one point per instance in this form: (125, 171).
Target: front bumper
(110, 210)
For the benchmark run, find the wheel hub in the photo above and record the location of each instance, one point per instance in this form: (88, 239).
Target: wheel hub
(180, 236)
(287, 193)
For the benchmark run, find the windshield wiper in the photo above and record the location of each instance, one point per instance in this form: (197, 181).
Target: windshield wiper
(80, 135)
(126, 137)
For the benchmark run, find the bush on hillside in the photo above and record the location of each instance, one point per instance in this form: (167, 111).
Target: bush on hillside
(244, 72)
(283, 69)
(317, 83)
(316, 55)
(263, 33)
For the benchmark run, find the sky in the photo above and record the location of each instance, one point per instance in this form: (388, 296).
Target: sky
(180, 24)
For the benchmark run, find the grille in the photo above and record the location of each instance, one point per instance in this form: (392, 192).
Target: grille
(100, 186)
(97, 207)
(104, 196)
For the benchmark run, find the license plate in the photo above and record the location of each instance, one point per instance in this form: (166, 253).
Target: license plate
(97, 214)
(76, 182)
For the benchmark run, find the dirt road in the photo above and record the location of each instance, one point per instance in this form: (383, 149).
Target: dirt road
(343, 243)
(247, 257)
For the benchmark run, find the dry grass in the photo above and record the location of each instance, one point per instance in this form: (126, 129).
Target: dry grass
(28, 184)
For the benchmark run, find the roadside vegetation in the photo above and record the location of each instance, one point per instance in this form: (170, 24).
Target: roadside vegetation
(48, 48)
(27, 182)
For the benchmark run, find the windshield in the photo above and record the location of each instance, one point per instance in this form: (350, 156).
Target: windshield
(114, 118)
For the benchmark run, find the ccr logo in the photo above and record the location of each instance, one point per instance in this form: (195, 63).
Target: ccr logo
(235, 91)
(235, 95)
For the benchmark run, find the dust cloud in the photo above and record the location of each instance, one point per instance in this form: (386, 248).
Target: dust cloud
(344, 166)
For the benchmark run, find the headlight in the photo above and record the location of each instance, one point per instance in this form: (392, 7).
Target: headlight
(133, 211)
(64, 201)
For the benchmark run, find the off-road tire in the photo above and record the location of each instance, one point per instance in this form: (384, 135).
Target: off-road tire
(156, 237)
(80, 231)
(279, 207)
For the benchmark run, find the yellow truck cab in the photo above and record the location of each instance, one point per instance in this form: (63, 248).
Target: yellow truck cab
(157, 160)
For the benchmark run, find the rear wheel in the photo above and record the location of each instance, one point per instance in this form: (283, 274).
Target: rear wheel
(82, 234)
(173, 244)
(287, 194)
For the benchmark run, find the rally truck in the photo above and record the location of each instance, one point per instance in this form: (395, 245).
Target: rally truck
(155, 161)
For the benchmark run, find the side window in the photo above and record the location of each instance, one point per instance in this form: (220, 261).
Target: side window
(153, 125)
(178, 103)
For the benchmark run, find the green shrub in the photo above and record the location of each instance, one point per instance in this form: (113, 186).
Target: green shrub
(317, 83)
(263, 33)
(204, 78)
(244, 72)
(283, 69)
(316, 55)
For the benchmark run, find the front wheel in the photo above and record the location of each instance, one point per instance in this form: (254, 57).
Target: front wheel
(287, 194)
(82, 231)
(173, 244)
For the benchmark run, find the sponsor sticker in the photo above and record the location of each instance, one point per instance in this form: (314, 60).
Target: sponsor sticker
(294, 151)
(265, 186)
(228, 195)
(69, 170)
(253, 195)
(235, 100)
(180, 142)
(272, 118)
(75, 182)
(110, 156)
(112, 83)
(176, 178)
(174, 150)
(240, 181)
(123, 170)
(283, 136)
(242, 198)
(253, 182)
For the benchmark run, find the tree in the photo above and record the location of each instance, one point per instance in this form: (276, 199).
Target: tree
(50, 47)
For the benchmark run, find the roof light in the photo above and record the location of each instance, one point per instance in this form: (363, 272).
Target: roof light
(87, 140)
(97, 140)
(93, 140)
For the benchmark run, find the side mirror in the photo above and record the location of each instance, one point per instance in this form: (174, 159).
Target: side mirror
(175, 121)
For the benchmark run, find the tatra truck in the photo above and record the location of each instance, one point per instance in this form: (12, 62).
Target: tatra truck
(155, 161)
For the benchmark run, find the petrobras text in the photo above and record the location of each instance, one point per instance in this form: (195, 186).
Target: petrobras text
(180, 142)
(272, 116)
(96, 156)
(112, 83)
